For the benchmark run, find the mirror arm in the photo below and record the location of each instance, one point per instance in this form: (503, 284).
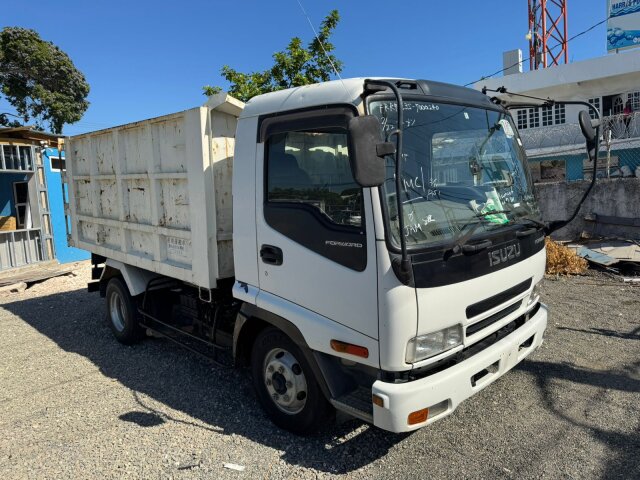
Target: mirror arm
(591, 146)
(405, 267)
(592, 152)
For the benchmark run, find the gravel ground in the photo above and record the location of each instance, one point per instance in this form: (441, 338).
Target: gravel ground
(76, 404)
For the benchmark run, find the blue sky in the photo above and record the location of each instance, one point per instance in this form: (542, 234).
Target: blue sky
(146, 58)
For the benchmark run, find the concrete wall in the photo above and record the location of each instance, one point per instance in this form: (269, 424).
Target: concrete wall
(615, 197)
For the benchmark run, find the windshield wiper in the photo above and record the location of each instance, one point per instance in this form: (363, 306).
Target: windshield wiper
(459, 243)
(533, 221)
(535, 224)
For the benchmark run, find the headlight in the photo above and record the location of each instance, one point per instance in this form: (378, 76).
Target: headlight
(425, 346)
(535, 294)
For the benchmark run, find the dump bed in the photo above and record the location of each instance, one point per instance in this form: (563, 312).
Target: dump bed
(156, 194)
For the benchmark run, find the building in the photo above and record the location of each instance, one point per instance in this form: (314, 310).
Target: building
(551, 135)
(32, 223)
(54, 166)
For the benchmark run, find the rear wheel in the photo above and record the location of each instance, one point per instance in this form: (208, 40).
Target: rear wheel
(285, 384)
(122, 314)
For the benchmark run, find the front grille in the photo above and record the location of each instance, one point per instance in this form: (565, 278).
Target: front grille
(476, 327)
(492, 302)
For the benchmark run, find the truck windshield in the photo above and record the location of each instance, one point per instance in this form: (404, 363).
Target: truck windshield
(460, 164)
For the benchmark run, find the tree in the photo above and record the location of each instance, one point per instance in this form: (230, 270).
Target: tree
(295, 66)
(40, 81)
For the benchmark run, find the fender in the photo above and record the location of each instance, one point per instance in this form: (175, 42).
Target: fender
(330, 380)
(135, 278)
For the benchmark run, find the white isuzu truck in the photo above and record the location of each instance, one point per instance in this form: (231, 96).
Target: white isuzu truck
(366, 245)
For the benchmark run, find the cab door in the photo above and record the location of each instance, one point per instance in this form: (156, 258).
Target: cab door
(315, 231)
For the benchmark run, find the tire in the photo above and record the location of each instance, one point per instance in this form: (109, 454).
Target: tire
(122, 313)
(285, 385)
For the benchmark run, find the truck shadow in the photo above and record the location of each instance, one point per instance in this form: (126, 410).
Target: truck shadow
(632, 335)
(625, 446)
(160, 374)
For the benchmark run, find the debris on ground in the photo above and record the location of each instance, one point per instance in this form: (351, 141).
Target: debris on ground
(562, 260)
(233, 466)
(596, 257)
(13, 288)
(618, 256)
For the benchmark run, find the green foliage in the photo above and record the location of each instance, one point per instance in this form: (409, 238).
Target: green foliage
(208, 90)
(40, 81)
(295, 66)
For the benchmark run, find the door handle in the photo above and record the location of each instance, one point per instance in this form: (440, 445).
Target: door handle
(271, 255)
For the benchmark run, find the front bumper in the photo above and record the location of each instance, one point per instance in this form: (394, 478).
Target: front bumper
(448, 388)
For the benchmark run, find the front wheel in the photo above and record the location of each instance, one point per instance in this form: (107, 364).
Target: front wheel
(122, 314)
(285, 384)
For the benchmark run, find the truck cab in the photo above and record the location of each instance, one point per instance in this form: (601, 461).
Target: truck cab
(319, 256)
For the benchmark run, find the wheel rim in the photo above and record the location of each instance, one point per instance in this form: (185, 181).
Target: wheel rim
(285, 381)
(116, 310)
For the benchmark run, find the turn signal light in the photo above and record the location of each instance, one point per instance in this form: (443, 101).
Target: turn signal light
(377, 400)
(349, 348)
(418, 416)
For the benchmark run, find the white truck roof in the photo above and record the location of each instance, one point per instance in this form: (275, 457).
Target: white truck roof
(347, 90)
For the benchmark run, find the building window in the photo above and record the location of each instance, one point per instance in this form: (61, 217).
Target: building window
(57, 164)
(21, 202)
(634, 98)
(547, 116)
(560, 113)
(618, 106)
(596, 103)
(14, 157)
(534, 118)
(522, 119)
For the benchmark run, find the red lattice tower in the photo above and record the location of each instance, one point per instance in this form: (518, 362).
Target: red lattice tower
(548, 33)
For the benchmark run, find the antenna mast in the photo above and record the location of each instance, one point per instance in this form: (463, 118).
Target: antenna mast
(547, 25)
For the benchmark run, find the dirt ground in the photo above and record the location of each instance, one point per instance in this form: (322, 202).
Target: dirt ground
(76, 404)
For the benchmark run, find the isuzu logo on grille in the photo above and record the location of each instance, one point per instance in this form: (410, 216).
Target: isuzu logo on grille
(504, 254)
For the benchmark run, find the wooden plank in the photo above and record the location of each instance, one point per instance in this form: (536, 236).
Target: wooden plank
(612, 220)
(33, 273)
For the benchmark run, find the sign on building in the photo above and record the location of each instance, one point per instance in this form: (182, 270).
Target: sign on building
(623, 26)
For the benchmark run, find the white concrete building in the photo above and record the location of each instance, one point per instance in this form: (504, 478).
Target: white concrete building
(552, 135)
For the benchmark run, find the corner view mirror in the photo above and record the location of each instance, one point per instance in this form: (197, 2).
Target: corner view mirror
(587, 126)
(367, 150)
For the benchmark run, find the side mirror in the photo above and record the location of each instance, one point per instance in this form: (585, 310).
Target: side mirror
(367, 150)
(586, 126)
(589, 132)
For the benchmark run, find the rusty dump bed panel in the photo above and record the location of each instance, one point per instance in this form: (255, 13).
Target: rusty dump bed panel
(156, 194)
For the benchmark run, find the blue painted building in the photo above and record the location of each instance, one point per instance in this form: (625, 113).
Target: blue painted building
(54, 165)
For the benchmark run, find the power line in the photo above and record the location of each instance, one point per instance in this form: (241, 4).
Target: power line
(322, 46)
(529, 58)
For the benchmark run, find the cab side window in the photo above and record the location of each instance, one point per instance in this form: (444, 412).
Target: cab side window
(313, 168)
(311, 196)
